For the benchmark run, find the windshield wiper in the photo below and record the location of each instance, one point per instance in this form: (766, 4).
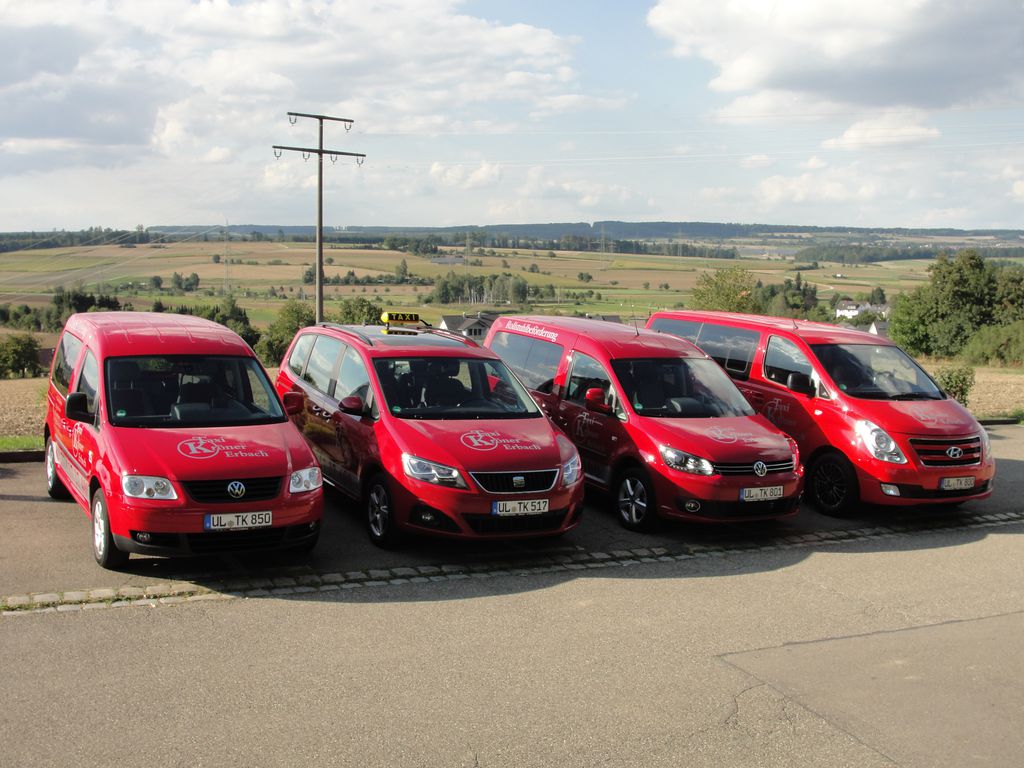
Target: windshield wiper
(914, 396)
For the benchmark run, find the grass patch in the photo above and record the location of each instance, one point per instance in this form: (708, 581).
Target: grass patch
(21, 443)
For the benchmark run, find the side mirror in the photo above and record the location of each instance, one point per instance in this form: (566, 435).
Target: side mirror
(800, 383)
(594, 400)
(76, 407)
(294, 403)
(352, 404)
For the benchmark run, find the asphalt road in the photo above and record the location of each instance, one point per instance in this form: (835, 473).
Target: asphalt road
(899, 646)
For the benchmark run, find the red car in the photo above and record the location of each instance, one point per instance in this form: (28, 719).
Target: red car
(871, 424)
(167, 430)
(430, 433)
(655, 421)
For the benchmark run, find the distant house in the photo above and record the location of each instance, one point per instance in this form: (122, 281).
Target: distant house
(471, 326)
(880, 328)
(846, 308)
(851, 309)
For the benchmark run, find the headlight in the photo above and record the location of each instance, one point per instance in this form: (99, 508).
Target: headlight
(686, 462)
(431, 472)
(986, 444)
(571, 466)
(305, 480)
(147, 487)
(879, 444)
(796, 451)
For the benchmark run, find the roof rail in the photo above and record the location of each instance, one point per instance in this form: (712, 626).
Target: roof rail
(347, 329)
(451, 335)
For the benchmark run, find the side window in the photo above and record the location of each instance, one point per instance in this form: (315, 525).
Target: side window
(534, 361)
(323, 362)
(586, 374)
(731, 348)
(300, 353)
(88, 381)
(782, 358)
(352, 378)
(64, 362)
(685, 329)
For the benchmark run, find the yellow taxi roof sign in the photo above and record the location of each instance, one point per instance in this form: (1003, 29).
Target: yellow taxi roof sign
(400, 317)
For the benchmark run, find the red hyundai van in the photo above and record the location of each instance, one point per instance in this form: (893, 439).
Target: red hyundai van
(167, 430)
(430, 433)
(655, 421)
(872, 425)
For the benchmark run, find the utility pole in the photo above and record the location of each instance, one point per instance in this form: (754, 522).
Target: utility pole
(320, 152)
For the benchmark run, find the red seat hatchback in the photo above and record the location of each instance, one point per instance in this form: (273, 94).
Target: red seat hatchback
(430, 433)
(167, 430)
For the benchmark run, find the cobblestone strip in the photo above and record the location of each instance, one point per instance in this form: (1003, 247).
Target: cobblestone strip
(178, 592)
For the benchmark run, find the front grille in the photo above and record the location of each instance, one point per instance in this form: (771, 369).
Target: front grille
(747, 468)
(934, 452)
(216, 491)
(549, 521)
(504, 482)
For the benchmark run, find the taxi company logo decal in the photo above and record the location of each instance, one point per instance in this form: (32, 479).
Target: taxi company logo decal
(935, 416)
(208, 447)
(531, 329)
(489, 440)
(730, 435)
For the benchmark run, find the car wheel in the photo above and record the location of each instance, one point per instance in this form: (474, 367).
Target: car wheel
(634, 500)
(380, 516)
(54, 485)
(832, 484)
(103, 548)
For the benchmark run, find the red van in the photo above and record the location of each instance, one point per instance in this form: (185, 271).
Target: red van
(167, 430)
(429, 433)
(871, 424)
(655, 420)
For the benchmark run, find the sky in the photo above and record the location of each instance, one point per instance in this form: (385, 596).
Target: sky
(874, 113)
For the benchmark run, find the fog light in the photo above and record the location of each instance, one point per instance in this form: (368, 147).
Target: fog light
(142, 537)
(692, 505)
(890, 490)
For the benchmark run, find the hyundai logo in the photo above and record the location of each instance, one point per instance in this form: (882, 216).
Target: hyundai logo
(236, 489)
(954, 452)
(518, 481)
(760, 468)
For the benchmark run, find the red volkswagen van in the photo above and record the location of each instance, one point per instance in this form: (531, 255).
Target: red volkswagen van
(872, 425)
(167, 430)
(655, 421)
(429, 433)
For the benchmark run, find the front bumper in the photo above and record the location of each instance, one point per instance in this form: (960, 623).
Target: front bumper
(717, 499)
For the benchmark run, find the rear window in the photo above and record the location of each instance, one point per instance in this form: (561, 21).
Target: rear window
(534, 361)
(300, 353)
(323, 362)
(731, 348)
(64, 362)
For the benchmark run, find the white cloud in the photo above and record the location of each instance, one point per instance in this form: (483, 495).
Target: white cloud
(813, 163)
(1017, 191)
(834, 186)
(756, 161)
(464, 177)
(885, 131)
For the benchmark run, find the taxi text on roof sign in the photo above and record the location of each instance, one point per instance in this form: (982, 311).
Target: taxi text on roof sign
(400, 317)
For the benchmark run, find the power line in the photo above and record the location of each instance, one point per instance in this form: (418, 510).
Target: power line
(319, 151)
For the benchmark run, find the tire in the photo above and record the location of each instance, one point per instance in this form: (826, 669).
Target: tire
(635, 504)
(54, 485)
(103, 548)
(832, 485)
(380, 517)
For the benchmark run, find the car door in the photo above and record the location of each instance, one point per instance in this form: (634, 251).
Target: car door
(65, 364)
(790, 411)
(83, 450)
(598, 436)
(318, 382)
(355, 441)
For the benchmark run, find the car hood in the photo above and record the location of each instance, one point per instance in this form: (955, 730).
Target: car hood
(935, 418)
(506, 444)
(213, 453)
(723, 440)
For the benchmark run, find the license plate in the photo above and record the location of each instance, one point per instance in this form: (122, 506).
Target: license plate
(238, 521)
(957, 483)
(520, 507)
(766, 493)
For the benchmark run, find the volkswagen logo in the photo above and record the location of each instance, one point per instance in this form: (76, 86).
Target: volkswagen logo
(760, 468)
(236, 489)
(518, 481)
(954, 452)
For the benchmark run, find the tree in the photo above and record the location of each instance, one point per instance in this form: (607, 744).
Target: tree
(292, 316)
(19, 355)
(215, 258)
(156, 281)
(728, 290)
(877, 296)
(401, 271)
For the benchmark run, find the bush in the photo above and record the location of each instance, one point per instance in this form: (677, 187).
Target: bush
(996, 345)
(957, 381)
(19, 356)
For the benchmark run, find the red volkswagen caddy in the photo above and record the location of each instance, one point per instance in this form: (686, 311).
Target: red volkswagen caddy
(871, 424)
(430, 433)
(167, 430)
(655, 421)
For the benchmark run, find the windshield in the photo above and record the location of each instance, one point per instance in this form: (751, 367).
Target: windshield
(452, 388)
(679, 387)
(156, 391)
(882, 372)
